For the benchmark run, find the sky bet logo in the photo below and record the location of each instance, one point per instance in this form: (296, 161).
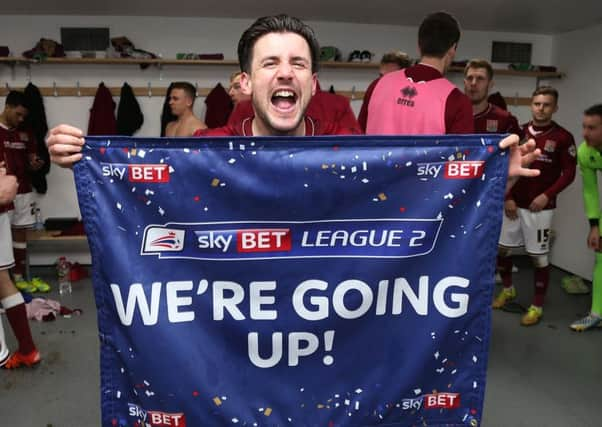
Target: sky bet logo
(352, 238)
(249, 240)
(150, 418)
(459, 169)
(432, 401)
(158, 173)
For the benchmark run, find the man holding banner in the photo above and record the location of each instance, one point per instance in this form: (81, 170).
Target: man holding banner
(308, 303)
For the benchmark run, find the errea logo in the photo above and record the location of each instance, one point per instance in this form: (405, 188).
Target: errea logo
(407, 93)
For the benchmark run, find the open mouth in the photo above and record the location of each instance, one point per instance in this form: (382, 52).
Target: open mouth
(284, 100)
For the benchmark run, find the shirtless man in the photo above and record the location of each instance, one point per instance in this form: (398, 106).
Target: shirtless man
(181, 100)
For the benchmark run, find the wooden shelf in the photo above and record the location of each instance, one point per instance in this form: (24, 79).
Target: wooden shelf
(161, 91)
(90, 91)
(136, 61)
(232, 62)
(12, 60)
(506, 72)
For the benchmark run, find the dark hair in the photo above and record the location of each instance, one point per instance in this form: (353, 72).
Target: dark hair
(546, 90)
(437, 34)
(480, 63)
(276, 24)
(397, 57)
(594, 110)
(188, 88)
(16, 99)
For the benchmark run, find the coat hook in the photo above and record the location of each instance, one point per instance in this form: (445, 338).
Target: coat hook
(7, 87)
(150, 90)
(54, 91)
(78, 89)
(352, 92)
(196, 88)
(516, 99)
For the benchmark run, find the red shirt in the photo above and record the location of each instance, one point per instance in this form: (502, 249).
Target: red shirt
(323, 107)
(17, 146)
(557, 164)
(496, 120)
(9, 206)
(243, 127)
(362, 118)
(458, 108)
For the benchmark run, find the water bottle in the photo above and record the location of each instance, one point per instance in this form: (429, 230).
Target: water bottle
(39, 224)
(63, 269)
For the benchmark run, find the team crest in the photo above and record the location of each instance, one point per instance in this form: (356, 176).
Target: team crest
(572, 151)
(550, 146)
(492, 125)
(23, 136)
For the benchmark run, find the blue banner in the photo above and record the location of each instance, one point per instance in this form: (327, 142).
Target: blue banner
(324, 281)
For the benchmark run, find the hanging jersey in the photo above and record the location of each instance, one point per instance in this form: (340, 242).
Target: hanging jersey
(17, 145)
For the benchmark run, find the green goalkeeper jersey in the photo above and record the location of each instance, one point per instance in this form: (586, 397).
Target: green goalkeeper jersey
(590, 162)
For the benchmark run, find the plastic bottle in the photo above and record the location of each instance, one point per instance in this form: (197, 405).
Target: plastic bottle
(39, 225)
(63, 269)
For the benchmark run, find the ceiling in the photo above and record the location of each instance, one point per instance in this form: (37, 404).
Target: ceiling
(530, 16)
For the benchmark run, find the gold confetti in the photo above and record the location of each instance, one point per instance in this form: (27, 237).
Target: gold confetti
(217, 401)
(215, 182)
(382, 197)
(133, 152)
(324, 166)
(267, 412)
(320, 406)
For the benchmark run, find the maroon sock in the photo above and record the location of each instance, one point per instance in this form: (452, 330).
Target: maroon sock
(542, 279)
(505, 266)
(17, 317)
(20, 255)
